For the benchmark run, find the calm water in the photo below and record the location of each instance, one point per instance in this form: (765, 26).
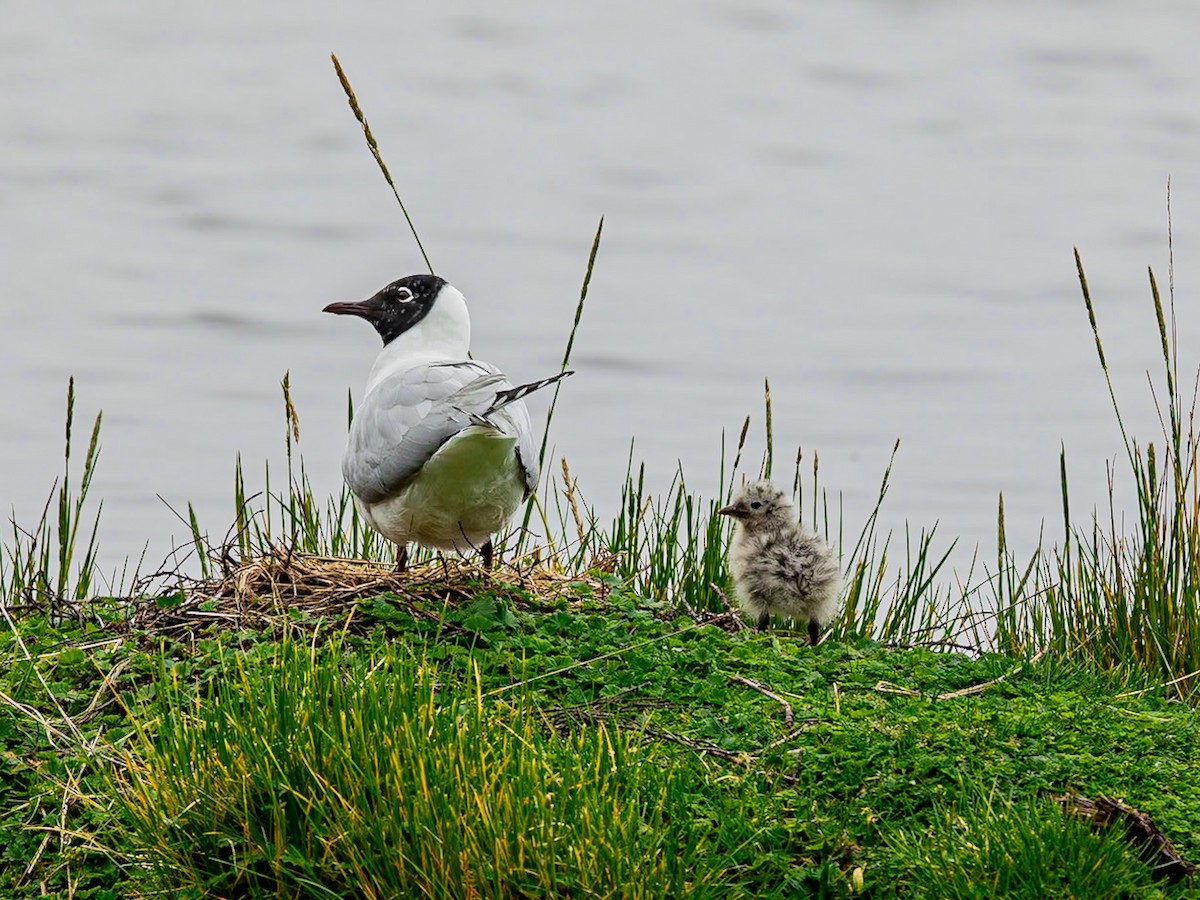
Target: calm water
(872, 204)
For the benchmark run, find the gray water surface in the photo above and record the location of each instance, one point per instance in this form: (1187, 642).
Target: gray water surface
(872, 204)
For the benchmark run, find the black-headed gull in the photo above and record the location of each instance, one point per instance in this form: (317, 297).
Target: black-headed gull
(441, 450)
(779, 567)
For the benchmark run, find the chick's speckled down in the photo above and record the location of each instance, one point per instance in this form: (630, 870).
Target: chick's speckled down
(779, 567)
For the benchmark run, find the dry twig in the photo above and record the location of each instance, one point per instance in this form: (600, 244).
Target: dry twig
(886, 687)
(788, 716)
(1140, 830)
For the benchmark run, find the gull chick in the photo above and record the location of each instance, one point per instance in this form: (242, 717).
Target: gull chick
(779, 567)
(441, 450)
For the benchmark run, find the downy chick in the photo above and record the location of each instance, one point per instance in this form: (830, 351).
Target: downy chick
(779, 567)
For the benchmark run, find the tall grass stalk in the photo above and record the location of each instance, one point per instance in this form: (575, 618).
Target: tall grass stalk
(293, 517)
(373, 146)
(1129, 599)
(523, 534)
(41, 566)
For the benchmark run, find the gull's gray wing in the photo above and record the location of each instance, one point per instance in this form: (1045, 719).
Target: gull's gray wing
(407, 417)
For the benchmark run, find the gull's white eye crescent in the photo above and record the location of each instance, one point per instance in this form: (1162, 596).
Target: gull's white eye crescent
(403, 294)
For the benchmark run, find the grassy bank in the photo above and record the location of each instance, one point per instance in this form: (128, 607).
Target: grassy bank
(459, 734)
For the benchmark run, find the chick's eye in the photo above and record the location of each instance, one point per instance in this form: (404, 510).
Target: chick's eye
(755, 505)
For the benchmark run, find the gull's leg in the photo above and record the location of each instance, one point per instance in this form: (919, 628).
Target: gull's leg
(401, 557)
(764, 619)
(814, 631)
(487, 551)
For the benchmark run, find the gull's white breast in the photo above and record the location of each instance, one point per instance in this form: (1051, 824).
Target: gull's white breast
(466, 492)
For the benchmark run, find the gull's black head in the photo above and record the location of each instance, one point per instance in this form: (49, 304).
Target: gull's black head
(396, 308)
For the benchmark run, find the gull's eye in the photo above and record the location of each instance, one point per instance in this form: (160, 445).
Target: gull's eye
(755, 505)
(403, 294)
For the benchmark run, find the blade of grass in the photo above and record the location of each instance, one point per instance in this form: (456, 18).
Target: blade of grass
(373, 145)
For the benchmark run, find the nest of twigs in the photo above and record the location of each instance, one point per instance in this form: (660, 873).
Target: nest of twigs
(283, 585)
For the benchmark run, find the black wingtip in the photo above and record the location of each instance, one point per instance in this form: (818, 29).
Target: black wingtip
(503, 398)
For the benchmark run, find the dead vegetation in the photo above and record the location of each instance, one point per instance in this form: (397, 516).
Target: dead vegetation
(282, 584)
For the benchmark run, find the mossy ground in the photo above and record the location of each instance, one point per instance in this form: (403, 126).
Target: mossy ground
(902, 772)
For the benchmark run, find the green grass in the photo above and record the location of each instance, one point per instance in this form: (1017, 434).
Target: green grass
(653, 767)
(571, 747)
(985, 845)
(1121, 598)
(39, 565)
(261, 787)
